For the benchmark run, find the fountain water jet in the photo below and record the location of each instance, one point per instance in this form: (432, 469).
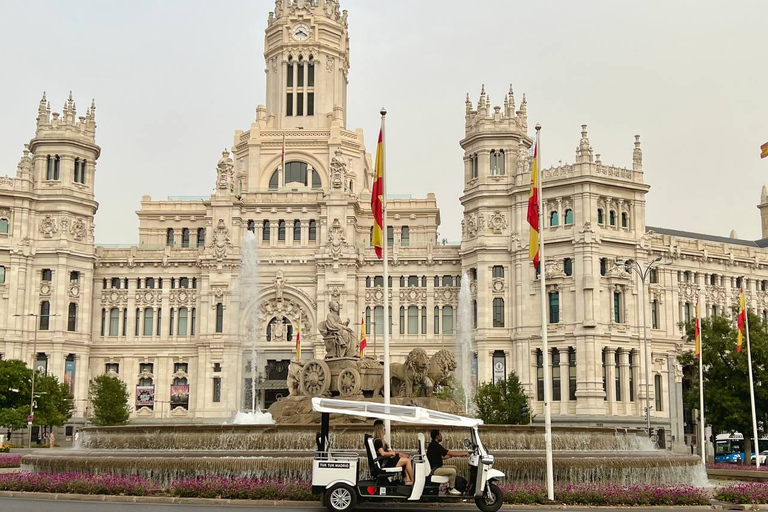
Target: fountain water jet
(249, 294)
(463, 348)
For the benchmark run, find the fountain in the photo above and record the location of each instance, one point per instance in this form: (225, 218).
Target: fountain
(464, 350)
(249, 295)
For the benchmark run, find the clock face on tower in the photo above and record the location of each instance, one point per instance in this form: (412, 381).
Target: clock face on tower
(300, 32)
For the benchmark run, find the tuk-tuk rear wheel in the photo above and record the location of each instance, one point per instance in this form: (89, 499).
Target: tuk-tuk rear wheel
(491, 500)
(341, 498)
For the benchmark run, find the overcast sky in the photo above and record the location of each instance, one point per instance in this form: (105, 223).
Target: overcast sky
(173, 80)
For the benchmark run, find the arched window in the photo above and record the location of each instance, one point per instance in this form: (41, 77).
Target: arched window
(617, 374)
(554, 307)
(274, 181)
(4, 226)
(149, 321)
(150, 283)
(556, 391)
(498, 312)
(74, 276)
(49, 168)
(497, 163)
(56, 167)
(436, 320)
(281, 230)
(413, 281)
(603, 266)
(539, 375)
(402, 319)
(402, 281)
(185, 237)
(568, 217)
(405, 236)
(252, 226)
(83, 166)
(624, 220)
(183, 282)
(313, 231)
(600, 216)
(473, 166)
(169, 237)
(114, 321)
(72, 317)
(116, 283)
(612, 218)
(295, 174)
(297, 231)
(77, 170)
(448, 319)
(568, 266)
(183, 317)
(378, 282)
(618, 316)
(657, 392)
(266, 231)
(571, 374)
(554, 219)
(201, 237)
(447, 281)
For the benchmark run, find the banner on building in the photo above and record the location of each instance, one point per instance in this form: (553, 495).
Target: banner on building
(499, 367)
(145, 396)
(180, 395)
(69, 375)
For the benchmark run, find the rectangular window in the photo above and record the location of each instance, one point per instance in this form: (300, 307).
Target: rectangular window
(310, 103)
(605, 389)
(216, 390)
(219, 317)
(539, 376)
(655, 314)
(112, 368)
(72, 317)
(297, 231)
(687, 312)
(2, 275)
(617, 307)
(390, 236)
(281, 231)
(631, 375)
(159, 321)
(498, 312)
(413, 320)
(617, 369)
(571, 374)
(312, 231)
(47, 274)
(556, 392)
(192, 322)
(378, 320)
(402, 319)
(290, 70)
(137, 328)
(554, 307)
(114, 321)
(300, 104)
(311, 74)
(448, 319)
(437, 320)
(498, 272)
(654, 275)
(125, 322)
(149, 321)
(657, 391)
(170, 326)
(300, 73)
(289, 104)
(103, 321)
(423, 320)
(568, 267)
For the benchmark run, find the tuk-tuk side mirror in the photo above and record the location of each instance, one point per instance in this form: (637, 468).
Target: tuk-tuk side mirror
(467, 443)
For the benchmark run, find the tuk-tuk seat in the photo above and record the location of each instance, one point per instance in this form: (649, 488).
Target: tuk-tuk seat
(435, 479)
(375, 463)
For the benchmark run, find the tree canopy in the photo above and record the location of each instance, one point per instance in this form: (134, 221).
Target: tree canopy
(726, 374)
(502, 402)
(53, 399)
(109, 397)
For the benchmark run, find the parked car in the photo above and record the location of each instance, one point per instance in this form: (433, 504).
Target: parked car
(763, 456)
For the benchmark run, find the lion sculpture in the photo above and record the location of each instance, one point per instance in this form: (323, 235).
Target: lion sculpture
(411, 377)
(441, 368)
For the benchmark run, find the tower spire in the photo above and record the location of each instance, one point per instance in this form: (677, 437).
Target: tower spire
(468, 105)
(511, 109)
(43, 111)
(584, 151)
(637, 156)
(481, 103)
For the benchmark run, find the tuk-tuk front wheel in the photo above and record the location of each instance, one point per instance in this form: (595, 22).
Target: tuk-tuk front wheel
(341, 498)
(491, 500)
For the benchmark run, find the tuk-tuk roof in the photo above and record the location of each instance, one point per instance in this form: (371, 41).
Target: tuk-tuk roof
(402, 413)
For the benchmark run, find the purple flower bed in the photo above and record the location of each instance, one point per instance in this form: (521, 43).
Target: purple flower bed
(10, 461)
(77, 483)
(738, 467)
(743, 493)
(607, 495)
(242, 489)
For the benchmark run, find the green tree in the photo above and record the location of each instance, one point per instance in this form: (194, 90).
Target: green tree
(54, 403)
(726, 375)
(15, 388)
(109, 397)
(502, 402)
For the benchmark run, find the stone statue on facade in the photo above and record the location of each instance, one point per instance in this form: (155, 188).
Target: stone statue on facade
(225, 171)
(340, 340)
(279, 285)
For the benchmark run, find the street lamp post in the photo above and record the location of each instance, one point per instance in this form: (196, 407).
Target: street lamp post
(643, 273)
(31, 417)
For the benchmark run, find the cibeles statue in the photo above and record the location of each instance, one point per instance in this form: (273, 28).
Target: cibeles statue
(340, 340)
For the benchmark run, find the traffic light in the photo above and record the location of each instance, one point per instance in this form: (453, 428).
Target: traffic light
(524, 412)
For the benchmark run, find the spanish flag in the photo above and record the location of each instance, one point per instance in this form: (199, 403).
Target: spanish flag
(697, 330)
(377, 199)
(363, 340)
(533, 209)
(742, 319)
(298, 339)
(764, 150)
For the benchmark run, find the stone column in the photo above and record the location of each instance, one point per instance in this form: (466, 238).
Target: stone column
(625, 369)
(610, 381)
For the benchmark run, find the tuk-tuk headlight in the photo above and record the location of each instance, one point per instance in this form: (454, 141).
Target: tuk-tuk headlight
(487, 460)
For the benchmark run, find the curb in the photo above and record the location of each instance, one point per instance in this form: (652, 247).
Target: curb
(164, 500)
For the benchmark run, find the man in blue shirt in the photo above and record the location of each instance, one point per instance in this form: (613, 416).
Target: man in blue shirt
(436, 454)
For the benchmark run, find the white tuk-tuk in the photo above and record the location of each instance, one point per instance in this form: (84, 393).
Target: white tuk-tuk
(337, 477)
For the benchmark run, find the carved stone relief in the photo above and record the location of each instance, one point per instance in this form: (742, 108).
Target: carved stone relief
(497, 222)
(48, 226)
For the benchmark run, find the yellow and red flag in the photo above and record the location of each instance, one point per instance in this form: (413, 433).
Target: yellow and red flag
(533, 209)
(298, 340)
(742, 320)
(764, 150)
(377, 199)
(363, 340)
(697, 330)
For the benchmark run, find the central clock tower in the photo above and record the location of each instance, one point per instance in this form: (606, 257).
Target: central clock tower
(307, 57)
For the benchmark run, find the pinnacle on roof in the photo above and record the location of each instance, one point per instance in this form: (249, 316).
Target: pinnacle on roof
(481, 103)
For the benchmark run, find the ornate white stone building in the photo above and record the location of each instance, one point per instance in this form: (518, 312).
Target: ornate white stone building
(165, 315)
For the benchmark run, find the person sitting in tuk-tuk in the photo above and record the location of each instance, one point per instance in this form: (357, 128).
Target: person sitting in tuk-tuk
(436, 453)
(396, 459)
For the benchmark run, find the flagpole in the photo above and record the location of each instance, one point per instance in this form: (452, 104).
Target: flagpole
(751, 381)
(384, 251)
(700, 341)
(544, 342)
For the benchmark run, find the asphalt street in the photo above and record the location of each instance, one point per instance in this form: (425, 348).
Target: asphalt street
(24, 505)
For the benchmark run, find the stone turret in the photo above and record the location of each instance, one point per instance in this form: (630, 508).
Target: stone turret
(763, 207)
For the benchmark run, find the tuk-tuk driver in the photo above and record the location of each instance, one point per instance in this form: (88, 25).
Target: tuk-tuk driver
(436, 453)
